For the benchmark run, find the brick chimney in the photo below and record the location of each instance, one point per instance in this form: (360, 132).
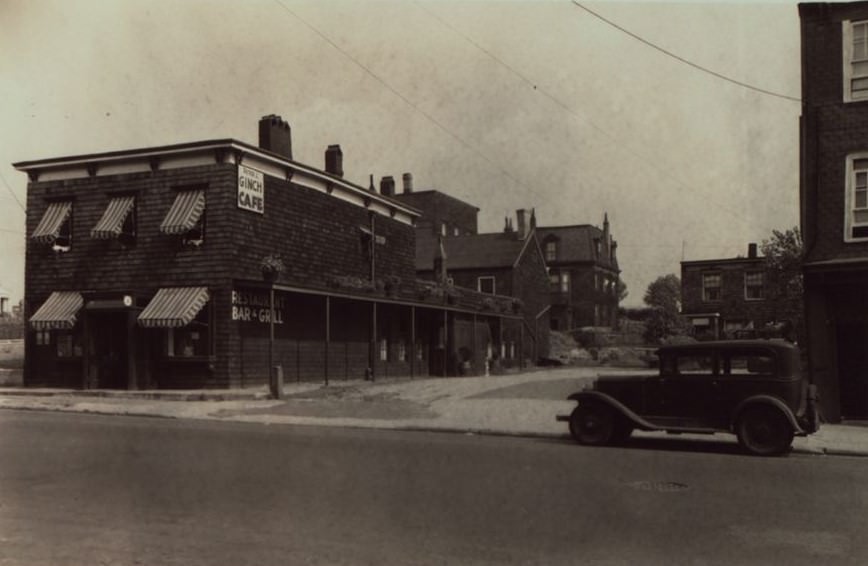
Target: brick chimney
(275, 135)
(521, 223)
(408, 182)
(334, 160)
(751, 250)
(387, 186)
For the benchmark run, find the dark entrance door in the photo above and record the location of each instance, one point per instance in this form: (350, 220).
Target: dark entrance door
(109, 354)
(853, 368)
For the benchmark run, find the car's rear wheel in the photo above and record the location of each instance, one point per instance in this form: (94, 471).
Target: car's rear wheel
(764, 431)
(592, 423)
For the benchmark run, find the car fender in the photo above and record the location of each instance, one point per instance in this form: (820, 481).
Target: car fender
(598, 397)
(769, 401)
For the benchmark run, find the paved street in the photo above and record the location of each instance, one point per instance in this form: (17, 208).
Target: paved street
(91, 489)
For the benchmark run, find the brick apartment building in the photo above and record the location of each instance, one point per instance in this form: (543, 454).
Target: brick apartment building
(723, 298)
(834, 202)
(155, 268)
(441, 214)
(584, 274)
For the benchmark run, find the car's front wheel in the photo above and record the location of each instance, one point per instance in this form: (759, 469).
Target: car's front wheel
(592, 423)
(764, 431)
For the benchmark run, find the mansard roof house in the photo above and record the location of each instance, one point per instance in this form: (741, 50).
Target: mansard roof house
(584, 274)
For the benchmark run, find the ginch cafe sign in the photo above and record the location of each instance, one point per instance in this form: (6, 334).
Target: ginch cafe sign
(251, 189)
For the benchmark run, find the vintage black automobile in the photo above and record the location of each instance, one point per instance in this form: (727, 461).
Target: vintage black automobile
(751, 388)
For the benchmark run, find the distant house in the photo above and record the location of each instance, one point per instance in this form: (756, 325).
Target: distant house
(508, 263)
(4, 303)
(442, 214)
(834, 202)
(583, 274)
(726, 298)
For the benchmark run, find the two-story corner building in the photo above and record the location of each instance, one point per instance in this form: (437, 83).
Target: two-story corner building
(725, 298)
(583, 273)
(205, 264)
(441, 214)
(834, 202)
(505, 264)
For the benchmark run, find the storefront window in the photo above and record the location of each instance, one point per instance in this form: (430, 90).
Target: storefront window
(193, 340)
(68, 345)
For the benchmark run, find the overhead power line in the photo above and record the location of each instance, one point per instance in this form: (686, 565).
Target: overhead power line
(682, 59)
(542, 90)
(406, 100)
(8, 188)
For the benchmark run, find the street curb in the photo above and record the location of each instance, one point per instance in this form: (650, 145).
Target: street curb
(142, 396)
(818, 451)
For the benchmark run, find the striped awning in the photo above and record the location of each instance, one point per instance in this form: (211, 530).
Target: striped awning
(185, 212)
(173, 307)
(58, 312)
(112, 221)
(49, 227)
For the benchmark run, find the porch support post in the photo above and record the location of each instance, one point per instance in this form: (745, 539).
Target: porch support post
(473, 341)
(132, 380)
(445, 342)
(373, 340)
(328, 305)
(412, 352)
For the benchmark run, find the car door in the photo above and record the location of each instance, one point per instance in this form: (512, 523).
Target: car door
(691, 390)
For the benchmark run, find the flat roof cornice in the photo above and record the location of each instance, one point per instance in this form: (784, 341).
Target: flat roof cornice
(233, 149)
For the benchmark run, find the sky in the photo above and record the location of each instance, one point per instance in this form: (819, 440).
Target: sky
(684, 130)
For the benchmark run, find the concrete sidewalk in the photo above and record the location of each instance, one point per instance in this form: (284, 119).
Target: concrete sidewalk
(520, 405)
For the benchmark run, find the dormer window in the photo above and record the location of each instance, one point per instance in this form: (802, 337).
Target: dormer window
(55, 227)
(551, 250)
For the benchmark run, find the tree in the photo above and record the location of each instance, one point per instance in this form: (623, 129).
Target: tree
(664, 292)
(622, 291)
(664, 297)
(784, 285)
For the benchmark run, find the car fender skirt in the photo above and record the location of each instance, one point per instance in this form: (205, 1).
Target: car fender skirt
(769, 401)
(597, 397)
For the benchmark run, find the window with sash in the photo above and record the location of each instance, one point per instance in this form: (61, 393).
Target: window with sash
(856, 209)
(711, 287)
(855, 34)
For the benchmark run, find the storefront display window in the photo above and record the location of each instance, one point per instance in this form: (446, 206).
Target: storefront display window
(191, 341)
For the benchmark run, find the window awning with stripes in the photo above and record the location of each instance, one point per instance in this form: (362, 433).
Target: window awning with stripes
(174, 307)
(58, 312)
(112, 222)
(49, 227)
(185, 212)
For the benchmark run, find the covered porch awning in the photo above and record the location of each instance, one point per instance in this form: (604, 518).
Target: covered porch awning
(174, 307)
(58, 312)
